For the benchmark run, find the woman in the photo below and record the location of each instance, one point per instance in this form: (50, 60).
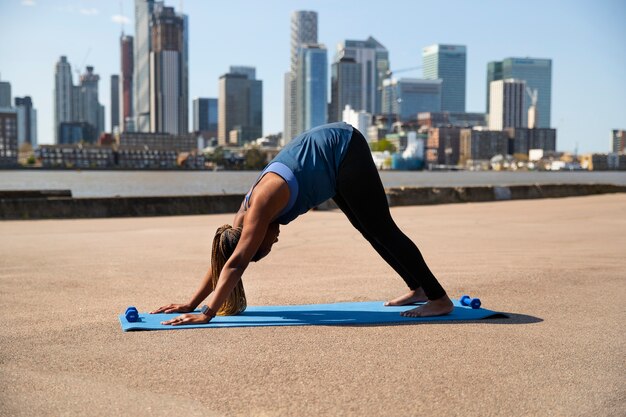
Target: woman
(328, 161)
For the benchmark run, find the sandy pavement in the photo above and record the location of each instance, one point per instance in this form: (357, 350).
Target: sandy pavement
(558, 266)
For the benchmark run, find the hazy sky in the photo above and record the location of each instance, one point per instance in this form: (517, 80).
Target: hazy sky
(585, 39)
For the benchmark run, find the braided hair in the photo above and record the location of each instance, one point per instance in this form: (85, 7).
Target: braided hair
(224, 244)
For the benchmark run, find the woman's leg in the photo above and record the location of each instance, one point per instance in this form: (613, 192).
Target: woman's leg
(361, 192)
(410, 280)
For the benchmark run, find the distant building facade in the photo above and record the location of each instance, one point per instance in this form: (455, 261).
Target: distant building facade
(126, 83)
(618, 140)
(449, 64)
(361, 120)
(141, 74)
(166, 141)
(311, 87)
(26, 121)
(442, 119)
(5, 94)
(407, 97)
(481, 144)
(507, 104)
(345, 87)
(115, 102)
(303, 32)
(443, 145)
(205, 116)
(537, 74)
(168, 97)
(523, 139)
(8, 137)
(63, 93)
(240, 109)
(76, 132)
(372, 62)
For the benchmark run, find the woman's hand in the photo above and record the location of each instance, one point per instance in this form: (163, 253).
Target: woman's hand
(173, 308)
(188, 319)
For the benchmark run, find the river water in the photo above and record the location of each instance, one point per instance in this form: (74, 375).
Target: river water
(164, 183)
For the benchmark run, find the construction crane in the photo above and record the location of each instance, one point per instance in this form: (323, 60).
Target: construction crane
(389, 73)
(80, 68)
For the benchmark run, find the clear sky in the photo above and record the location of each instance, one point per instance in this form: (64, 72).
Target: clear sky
(586, 39)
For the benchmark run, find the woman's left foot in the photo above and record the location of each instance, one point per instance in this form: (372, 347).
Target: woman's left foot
(438, 307)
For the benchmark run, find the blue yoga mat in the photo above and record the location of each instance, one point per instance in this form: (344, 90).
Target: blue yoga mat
(370, 312)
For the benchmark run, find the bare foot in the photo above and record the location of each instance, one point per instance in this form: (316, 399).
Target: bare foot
(438, 307)
(411, 297)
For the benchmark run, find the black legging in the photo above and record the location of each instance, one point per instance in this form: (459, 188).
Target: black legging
(361, 196)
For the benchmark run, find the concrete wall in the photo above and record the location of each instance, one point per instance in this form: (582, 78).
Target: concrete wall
(58, 204)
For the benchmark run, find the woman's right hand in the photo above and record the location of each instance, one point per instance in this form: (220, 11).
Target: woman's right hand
(173, 308)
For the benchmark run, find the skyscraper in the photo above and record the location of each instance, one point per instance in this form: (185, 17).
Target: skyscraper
(141, 74)
(408, 96)
(115, 102)
(303, 32)
(26, 121)
(90, 110)
(240, 109)
(538, 76)
(345, 87)
(447, 63)
(5, 94)
(126, 82)
(507, 104)
(168, 96)
(373, 60)
(8, 137)
(311, 87)
(205, 116)
(494, 73)
(63, 92)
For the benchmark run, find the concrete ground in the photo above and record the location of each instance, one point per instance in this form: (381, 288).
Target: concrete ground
(558, 266)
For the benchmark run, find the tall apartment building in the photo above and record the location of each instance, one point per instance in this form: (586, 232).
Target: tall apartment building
(311, 87)
(240, 109)
(507, 104)
(537, 73)
(90, 110)
(141, 74)
(77, 103)
(372, 61)
(303, 32)
(26, 121)
(618, 141)
(205, 116)
(8, 137)
(5, 94)
(115, 102)
(63, 92)
(345, 87)
(407, 97)
(449, 64)
(168, 97)
(126, 83)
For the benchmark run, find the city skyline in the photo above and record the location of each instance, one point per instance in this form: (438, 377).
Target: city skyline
(580, 38)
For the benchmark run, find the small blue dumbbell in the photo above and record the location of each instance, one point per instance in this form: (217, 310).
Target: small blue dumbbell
(466, 300)
(132, 315)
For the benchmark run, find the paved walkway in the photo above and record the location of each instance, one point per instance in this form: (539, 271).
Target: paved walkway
(558, 266)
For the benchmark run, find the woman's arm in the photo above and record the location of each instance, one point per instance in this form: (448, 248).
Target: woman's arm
(270, 198)
(203, 292)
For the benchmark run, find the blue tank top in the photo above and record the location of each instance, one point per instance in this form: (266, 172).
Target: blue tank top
(309, 164)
